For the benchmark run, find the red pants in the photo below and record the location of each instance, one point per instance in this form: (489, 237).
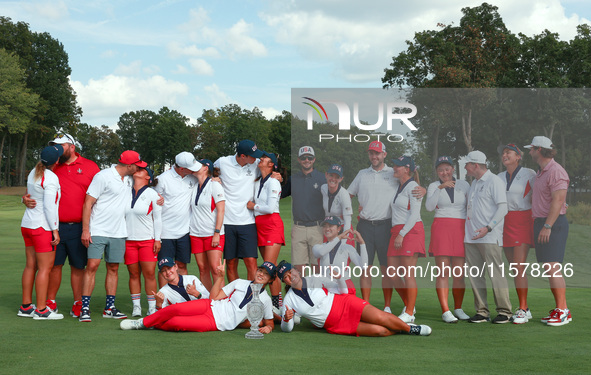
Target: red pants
(191, 316)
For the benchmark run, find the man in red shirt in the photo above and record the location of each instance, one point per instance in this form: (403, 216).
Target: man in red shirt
(75, 174)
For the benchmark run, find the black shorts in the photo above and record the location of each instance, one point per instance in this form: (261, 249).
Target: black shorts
(177, 249)
(241, 241)
(376, 235)
(71, 246)
(554, 250)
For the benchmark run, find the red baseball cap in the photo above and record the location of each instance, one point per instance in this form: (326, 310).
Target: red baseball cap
(377, 146)
(132, 157)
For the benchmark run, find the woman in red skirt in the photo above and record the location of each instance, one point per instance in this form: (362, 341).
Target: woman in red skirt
(447, 197)
(518, 230)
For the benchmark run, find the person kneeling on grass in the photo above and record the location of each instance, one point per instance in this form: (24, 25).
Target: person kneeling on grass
(225, 311)
(179, 288)
(328, 305)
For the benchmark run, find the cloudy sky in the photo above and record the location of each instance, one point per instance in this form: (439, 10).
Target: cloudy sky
(190, 55)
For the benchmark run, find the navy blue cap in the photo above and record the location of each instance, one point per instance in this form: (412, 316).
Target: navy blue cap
(270, 268)
(444, 159)
(51, 154)
(151, 174)
(283, 268)
(405, 161)
(513, 147)
(165, 262)
(332, 220)
(207, 162)
(271, 156)
(336, 169)
(249, 148)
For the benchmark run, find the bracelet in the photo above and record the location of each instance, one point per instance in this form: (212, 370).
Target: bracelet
(216, 231)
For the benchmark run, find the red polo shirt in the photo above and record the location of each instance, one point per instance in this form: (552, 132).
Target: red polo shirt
(74, 180)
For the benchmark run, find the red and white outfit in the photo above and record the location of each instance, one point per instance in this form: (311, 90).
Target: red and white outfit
(38, 222)
(338, 253)
(447, 230)
(178, 293)
(406, 221)
(204, 216)
(519, 224)
(205, 315)
(143, 217)
(176, 212)
(270, 230)
(326, 304)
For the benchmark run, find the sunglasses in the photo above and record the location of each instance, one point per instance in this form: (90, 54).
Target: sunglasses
(61, 135)
(309, 158)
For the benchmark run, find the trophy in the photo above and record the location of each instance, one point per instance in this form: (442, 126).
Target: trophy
(254, 313)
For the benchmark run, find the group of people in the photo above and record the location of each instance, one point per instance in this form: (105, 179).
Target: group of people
(229, 209)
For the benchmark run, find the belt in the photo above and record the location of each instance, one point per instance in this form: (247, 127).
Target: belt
(307, 223)
(63, 222)
(376, 222)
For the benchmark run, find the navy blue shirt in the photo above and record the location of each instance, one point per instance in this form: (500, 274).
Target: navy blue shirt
(306, 196)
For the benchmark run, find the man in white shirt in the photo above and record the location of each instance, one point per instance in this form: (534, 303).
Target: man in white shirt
(176, 186)
(104, 229)
(487, 207)
(238, 174)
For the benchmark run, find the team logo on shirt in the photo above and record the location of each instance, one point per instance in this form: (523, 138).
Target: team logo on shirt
(315, 186)
(79, 171)
(248, 172)
(190, 184)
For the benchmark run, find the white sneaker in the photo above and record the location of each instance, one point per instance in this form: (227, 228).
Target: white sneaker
(528, 313)
(520, 317)
(151, 311)
(414, 310)
(406, 318)
(137, 311)
(49, 314)
(388, 310)
(297, 319)
(448, 317)
(460, 314)
(421, 330)
(129, 324)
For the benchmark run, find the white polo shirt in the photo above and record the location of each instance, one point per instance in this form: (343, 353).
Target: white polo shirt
(313, 302)
(406, 209)
(172, 296)
(267, 199)
(231, 311)
(440, 201)
(341, 205)
(374, 190)
(332, 256)
(520, 189)
(47, 193)
(112, 194)
(144, 216)
(176, 213)
(238, 183)
(204, 212)
(483, 199)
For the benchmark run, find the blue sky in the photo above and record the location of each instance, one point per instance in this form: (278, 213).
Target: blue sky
(192, 55)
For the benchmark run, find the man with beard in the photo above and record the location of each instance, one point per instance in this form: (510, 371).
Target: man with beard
(75, 174)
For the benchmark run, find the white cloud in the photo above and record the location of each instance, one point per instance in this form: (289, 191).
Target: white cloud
(201, 67)
(176, 49)
(240, 43)
(270, 112)
(180, 70)
(113, 95)
(50, 10)
(217, 97)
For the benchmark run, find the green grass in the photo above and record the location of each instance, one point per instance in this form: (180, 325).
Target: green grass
(68, 346)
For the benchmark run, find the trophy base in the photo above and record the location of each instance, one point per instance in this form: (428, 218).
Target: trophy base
(254, 335)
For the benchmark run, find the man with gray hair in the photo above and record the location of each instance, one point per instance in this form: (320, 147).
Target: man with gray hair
(487, 207)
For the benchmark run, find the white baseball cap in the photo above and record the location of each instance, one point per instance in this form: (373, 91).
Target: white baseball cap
(477, 157)
(306, 150)
(187, 160)
(540, 141)
(61, 138)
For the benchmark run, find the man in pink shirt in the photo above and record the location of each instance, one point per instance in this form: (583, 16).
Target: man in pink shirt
(550, 224)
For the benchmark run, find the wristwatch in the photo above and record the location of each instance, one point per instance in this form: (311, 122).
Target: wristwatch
(488, 227)
(216, 231)
(547, 226)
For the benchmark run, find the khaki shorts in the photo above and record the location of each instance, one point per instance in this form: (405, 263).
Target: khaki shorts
(302, 241)
(112, 248)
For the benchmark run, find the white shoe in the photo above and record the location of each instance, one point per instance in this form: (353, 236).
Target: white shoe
(388, 310)
(49, 314)
(406, 318)
(129, 324)
(528, 313)
(448, 317)
(520, 317)
(151, 311)
(297, 319)
(460, 314)
(419, 330)
(414, 310)
(137, 311)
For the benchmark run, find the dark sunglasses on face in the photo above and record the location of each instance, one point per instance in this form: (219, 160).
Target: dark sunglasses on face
(309, 158)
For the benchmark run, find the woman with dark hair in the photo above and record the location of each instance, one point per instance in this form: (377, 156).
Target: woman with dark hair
(407, 242)
(143, 218)
(225, 311)
(518, 230)
(208, 204)
(327, 305)
(270, 230)
(39, 228)
(448, 197)
(336, 200)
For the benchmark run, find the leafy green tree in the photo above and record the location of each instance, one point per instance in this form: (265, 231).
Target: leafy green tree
(99, 144)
